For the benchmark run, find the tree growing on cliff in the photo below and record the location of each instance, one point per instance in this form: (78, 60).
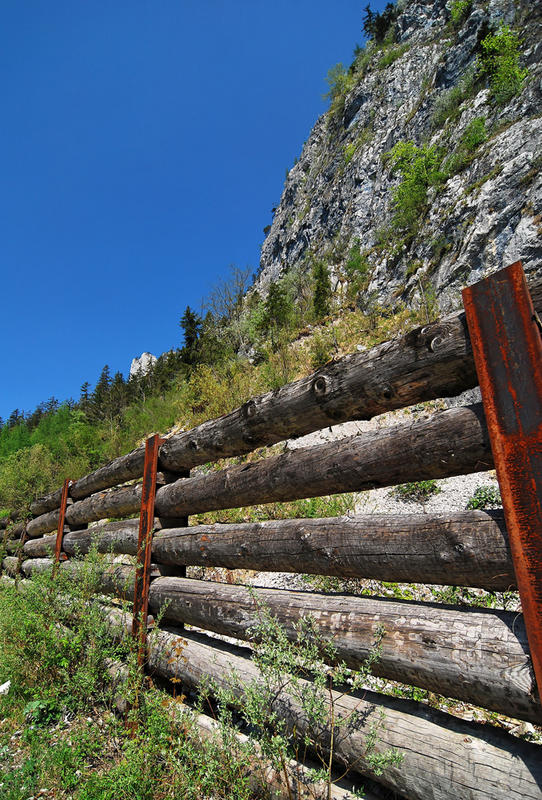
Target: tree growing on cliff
(375, 25)
(321, 301)
(191, 326)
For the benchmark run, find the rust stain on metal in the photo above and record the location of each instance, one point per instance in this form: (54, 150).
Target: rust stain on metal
(144, 545)
(20, 555)
(507, 346)
(61, 520)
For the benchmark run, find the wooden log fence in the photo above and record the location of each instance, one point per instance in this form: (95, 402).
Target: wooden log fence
(473, 655)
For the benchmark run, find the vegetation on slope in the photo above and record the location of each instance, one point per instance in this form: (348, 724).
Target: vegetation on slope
(254, 346)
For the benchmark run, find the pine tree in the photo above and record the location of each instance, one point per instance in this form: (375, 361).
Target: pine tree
(321, 301)
(191, 325)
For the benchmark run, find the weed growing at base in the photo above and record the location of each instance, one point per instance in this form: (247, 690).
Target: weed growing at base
(306, 671)
(58, 729)
(485, 497)
(416, 492)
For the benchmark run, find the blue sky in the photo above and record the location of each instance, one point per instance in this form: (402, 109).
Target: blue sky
(143, 145)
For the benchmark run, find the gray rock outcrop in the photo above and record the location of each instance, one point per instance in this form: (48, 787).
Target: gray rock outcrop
(425, 88)
(142, 365)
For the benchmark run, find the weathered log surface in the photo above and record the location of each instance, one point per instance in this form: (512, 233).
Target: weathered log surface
(12, 546)
(478, 656)
(11, 565)
(428, 362)
(467, 548)
(123, 530)
(453, 442)
(15, 531)
(124, 468)
(444, 758)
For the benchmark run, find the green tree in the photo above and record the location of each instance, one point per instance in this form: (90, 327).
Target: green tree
(321, 302)
(191, 326)
(375, 25)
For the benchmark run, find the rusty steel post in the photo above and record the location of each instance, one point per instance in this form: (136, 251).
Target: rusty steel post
(61, 521)
(507, 345)
(22, 541)
(144, 546)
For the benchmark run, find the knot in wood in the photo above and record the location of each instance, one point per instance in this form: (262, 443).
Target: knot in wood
(193, 445)
(321, 386)
(250, 409)
(387, 392)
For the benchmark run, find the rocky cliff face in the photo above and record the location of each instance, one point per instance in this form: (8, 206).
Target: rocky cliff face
(425, 86)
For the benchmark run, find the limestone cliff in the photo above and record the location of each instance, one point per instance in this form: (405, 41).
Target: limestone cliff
(426, 84)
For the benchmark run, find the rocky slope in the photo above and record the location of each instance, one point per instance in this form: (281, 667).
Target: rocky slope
(425, 87)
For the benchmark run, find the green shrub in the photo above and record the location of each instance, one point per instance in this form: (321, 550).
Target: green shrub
(448, 104)
(321, 348)
(459, 10)
(54, 645)
(340, 82)
(485, 497)
(303, 665)
(419, 169)
(358, 269)
(321, 301)
(500, 62)
(417, 492)
(349, 151)
(473, 136)
(392, 54)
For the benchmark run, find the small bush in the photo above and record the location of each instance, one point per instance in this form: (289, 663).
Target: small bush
(419, 169)
(357, 269)
(500, 62)
(416, 492)
(392, 54)
(321, 349)
(485, 497)
(448, 104)
(340, 82)
(304, 665)
(321, 302)
(459, 10)
(473, 136)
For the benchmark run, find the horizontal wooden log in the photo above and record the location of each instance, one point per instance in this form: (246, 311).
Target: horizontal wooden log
(426, 363)
(13, 546)
(444, 758)
(124, 468)
(467, 548)
(11, 565)
(478, 656)
(41, 548)
(114, 579)
(452, 442)
(15, 531)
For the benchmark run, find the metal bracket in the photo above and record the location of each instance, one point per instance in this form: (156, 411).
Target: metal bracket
(144, 546)
(507, 349)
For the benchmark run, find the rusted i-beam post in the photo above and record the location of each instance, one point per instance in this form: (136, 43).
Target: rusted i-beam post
(507, 345)
(61, 520)
(144, 546)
